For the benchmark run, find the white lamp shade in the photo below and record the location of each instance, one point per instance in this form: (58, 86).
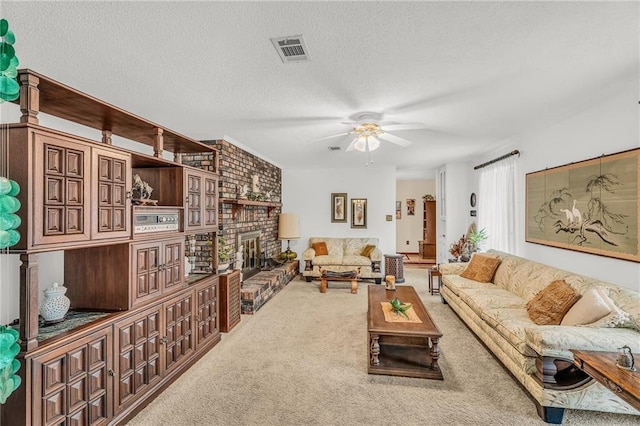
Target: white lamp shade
(361, 144)
(288, 226)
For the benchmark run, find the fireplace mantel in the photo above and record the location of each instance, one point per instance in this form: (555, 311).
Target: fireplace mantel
(238, 205)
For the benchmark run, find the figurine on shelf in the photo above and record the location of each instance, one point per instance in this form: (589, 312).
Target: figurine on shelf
(256, 184)
(243, 191)
(144, 190)
(267, 196)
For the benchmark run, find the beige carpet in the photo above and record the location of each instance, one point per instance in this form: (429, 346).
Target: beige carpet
(302, 360)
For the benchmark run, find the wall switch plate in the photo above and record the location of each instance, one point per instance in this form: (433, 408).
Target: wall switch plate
(407, 242)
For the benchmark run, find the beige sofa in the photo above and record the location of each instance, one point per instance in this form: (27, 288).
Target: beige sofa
(538, 356)
(344, 255)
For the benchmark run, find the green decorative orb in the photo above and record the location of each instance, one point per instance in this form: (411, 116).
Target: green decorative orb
(15, 188)
(9, 204)
(14, 237)
(4, 27)
(6, 97)
(9, 86)
(6, 221)
(5, 185)
(5, 239)
(9, 37)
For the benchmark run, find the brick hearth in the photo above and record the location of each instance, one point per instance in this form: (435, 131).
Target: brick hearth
(257, 290)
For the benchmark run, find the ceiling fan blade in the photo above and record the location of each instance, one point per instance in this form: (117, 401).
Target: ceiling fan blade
(330, 137)
(351, 145)
(404, 126)
(395, 139)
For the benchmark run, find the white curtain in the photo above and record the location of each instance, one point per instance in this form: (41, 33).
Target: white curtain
(497, 205)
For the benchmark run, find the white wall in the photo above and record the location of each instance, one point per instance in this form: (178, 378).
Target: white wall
(606, 127)
(308, 193)
(410, 228)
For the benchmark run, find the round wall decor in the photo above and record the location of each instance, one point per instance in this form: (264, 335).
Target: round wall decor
(472, 200)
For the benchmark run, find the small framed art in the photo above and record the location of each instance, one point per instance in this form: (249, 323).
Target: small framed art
(339, 207)
(359, 213)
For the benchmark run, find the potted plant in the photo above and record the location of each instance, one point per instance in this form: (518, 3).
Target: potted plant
(223, 254)
(474, 238)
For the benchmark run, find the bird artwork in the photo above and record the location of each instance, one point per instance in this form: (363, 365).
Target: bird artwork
(576, 213)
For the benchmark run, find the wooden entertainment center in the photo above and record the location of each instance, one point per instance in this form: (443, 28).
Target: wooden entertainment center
(139, 322)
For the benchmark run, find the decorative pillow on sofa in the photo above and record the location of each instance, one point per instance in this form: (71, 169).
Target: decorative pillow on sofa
(592, 306)
(367, 250)
(481, 268)
(321, 248)
(550, 304)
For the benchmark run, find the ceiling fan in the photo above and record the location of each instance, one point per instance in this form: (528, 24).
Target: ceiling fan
(368, 131)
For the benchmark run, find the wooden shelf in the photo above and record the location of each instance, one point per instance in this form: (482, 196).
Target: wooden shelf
(238, 205)
(65, 102)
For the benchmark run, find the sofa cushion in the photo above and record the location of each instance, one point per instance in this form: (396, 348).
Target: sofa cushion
(327, 260)
(481, 268)
(489, 297)
(455, 283)
(320, 248)
(354, 246)
(549, 306)
(366, 251)
(511, 323)
(356, 260)
(591, 307)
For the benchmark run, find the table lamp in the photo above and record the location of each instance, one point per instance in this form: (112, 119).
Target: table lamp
(288, 229)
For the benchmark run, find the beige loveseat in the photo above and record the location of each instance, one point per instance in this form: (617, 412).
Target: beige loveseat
(344, 254)
(538, 355)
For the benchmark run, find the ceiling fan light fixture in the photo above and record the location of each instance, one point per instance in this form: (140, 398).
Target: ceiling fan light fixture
(361, 144)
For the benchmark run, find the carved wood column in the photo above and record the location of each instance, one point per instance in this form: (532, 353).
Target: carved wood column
(177, 157)
(29, 98)
(106, 137)
(158, 143)
(28, 301)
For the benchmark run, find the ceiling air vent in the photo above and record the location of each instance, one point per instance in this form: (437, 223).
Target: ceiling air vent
(334, 148)
(291, 49)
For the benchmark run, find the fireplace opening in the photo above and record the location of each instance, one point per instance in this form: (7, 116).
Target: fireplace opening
(251, 249)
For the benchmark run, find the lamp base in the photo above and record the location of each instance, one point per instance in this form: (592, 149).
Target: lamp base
(288, 255)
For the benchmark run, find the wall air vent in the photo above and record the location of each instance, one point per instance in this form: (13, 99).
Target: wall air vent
(334, 148)
(291, 49)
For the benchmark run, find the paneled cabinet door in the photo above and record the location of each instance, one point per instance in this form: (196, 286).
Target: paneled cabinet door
(137, 351)
(201, 200)
(73, 385)
(207, 311)
(157, 269)
(61, 208)
(178, 342)
(111, 185)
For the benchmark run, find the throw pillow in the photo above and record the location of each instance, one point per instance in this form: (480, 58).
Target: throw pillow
(481, 268)
(550, 304)
(367, 250)
(590, 308)
(617, 318)
(320, 248)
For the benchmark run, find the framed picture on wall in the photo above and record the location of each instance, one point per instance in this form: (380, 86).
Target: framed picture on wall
(339, 207)
(359, 213)
(411, 207)
(398, 209)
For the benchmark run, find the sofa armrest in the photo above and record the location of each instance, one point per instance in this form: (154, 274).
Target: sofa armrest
(452, 268)
(376, 255)
(556, 340)
(308, 254)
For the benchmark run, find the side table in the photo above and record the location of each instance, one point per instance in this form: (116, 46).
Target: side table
(434, 273)
(393, 266)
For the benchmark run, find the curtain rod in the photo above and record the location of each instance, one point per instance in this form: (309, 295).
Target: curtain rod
(495, 160)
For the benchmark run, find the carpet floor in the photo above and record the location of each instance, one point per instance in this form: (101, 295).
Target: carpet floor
(302, 360)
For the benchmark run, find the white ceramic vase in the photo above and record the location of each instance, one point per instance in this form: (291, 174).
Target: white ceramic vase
(55, 304)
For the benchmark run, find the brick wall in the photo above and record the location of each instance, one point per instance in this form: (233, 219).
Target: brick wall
(236, 168)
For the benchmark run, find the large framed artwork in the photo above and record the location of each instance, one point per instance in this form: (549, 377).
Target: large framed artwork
(338, 207)
(359, 213)
(590, 206)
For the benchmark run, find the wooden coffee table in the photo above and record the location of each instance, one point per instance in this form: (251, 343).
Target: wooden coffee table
(602, 367)
(400, 348)
(337, 276)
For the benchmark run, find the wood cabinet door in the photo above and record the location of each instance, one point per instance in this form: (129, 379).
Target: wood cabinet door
(194, 185)
(178, 342)
(210, 198)
(430, 235)
(72, 385)
(138, 367)
(207, 311)
(111, 185)
(146, 279)
(173, 265)
(61, 188)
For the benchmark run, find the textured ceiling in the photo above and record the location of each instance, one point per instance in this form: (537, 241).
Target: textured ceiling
(477, 74)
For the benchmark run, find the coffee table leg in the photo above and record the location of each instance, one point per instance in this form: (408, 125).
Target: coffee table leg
(354, 286)
(323, 285)
(374, 349)
(435, 353)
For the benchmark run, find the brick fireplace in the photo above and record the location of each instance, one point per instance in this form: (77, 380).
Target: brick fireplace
(238, 167)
